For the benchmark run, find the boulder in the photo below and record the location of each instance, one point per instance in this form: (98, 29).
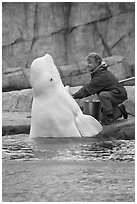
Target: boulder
(17, 101)
(130, 102)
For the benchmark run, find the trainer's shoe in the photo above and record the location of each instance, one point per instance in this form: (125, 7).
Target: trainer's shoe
(108, 120)
(123, 111)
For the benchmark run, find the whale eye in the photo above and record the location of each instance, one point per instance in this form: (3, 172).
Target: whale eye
(51, 79)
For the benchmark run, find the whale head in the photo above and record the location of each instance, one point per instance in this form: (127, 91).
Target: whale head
(44, 75)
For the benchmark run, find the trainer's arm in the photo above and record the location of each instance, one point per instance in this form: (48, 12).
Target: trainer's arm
(82, 93)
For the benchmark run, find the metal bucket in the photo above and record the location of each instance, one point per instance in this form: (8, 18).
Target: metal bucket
(92, 108)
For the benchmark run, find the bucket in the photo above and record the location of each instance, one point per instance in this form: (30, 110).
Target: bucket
(92, 107)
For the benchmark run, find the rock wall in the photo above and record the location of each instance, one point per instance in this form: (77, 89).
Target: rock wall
(66, 30)
(32, 29)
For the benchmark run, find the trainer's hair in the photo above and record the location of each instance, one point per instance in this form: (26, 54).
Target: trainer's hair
(94, 56)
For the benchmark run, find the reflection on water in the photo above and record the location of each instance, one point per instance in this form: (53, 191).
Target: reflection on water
(20, 147)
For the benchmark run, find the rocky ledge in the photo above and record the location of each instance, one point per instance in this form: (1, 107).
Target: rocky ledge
(16, 117)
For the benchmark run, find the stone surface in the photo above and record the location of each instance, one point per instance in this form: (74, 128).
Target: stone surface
(19, 123)
(28, 32)
(17, 107)
(15, 79)
(15, 123)
(130, 102)
(17, 101)
(66, 30)
(73, 75)
(21, 101)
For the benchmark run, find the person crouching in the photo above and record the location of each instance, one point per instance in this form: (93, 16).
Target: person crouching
(110, 91)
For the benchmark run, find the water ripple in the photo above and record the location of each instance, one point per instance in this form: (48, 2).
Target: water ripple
(20, 147)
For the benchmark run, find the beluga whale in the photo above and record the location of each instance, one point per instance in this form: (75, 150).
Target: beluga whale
(54, 111)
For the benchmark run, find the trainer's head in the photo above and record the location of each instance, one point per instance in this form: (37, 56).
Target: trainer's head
(93, 60)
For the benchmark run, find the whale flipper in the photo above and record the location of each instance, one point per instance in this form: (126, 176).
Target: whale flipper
(87, 125)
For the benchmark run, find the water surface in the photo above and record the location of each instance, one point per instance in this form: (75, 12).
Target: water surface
(20, 147)
(67, 169)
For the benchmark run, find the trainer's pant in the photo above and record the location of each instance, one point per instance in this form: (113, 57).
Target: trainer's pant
(109, 105)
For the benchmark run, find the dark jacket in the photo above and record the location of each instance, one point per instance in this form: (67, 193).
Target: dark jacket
(102, 80)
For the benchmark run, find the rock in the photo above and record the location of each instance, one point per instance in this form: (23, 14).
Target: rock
(17, 101)
(130, 102)
(15, 79)
(118, 8)
(18, 23)
(66, 30)
(78, 13)
(119, 67)
(16, 115)
(120, 129)
(96, 11)
(19, 123)
(21, 101)
(116, 36)
(28, 32)
(114, 60)
(15, 123)
(82, 40)
(102, 36)
(73, 75)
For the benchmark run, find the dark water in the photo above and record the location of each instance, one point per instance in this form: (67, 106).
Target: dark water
(67, 169)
